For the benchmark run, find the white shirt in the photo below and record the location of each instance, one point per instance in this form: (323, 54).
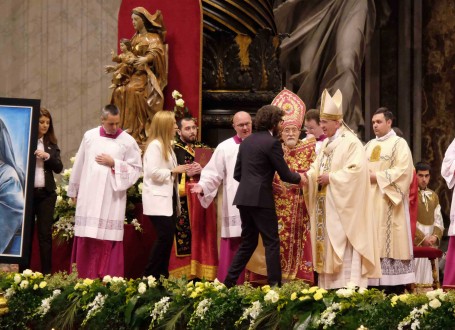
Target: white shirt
(39, 169)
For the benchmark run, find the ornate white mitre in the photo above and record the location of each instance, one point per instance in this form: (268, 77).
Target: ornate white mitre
(331, 105)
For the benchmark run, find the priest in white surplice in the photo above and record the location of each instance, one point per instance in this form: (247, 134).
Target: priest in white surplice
(107, 164)
(343, 235)
(391, 172)
(220, 169)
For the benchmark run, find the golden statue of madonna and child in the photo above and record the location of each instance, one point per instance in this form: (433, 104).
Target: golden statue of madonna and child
(141, 73)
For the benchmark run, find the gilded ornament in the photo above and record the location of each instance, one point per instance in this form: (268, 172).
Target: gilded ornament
(375, 154)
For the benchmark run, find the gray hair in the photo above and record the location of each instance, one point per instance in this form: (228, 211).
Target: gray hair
(110, 109)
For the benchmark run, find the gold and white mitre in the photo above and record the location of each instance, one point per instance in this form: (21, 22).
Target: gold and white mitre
(331, 106)
(293, 107)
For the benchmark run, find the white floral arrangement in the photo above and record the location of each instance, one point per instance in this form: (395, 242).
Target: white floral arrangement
(180, 109)
(94, 307)
(159, 311)
(38, 301)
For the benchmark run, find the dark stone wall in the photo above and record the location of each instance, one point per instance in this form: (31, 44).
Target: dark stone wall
(438, 104)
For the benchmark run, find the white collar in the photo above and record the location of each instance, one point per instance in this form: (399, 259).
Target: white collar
(385, 137)
(337, 134)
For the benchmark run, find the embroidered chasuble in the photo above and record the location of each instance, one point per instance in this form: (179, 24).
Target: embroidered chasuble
(390, 158)
(293, 222)
(342, 230)
(194, 253)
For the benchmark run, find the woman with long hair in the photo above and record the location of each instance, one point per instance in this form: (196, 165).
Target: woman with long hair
(44, 196)
(160, 190)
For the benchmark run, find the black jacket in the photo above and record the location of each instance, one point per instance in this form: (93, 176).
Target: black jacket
(260, 155)
(53, 164)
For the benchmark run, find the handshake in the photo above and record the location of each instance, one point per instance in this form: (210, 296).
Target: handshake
(322, 180)
(303, 179)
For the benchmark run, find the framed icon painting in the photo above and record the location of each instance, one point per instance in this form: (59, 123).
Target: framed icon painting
(18, 140)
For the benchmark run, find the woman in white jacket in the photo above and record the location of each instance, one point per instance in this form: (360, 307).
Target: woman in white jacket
(160, 190)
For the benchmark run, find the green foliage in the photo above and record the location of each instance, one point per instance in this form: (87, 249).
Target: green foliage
(63, 301)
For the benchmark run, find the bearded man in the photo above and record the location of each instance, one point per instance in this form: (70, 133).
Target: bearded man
(293, 220)
(193, 258)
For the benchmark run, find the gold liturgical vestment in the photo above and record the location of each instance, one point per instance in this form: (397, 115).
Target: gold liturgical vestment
(340, 214)
(390, 158)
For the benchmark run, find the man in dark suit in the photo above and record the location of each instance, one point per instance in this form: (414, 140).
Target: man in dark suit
(260, 155)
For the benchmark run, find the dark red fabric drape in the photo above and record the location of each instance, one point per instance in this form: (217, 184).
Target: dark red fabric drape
(183, 21)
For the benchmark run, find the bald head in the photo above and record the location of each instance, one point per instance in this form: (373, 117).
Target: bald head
(242, 124)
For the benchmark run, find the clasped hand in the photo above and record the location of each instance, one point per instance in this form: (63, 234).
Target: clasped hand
(41, 154)
(105, 159)
(323, 179)
(194, 169)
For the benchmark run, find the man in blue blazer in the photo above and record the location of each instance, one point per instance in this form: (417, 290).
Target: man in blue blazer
(260, 155)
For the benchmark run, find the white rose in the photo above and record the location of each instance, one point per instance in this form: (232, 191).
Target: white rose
(434, 294)
(141, 288)
(344, 292)
(151, 281)
(59, 200)
(17, 278)
(139, 187)
(116, 279)
(180, 103)
(176, 94)
(107, 279)
(24, 284)
(272, 296)
(9, 293)
(435, 303)
(27, 273)
(363, 290)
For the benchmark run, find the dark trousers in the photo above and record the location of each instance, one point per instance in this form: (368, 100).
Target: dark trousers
(158, 263)
(254, 221)
(43, 209)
